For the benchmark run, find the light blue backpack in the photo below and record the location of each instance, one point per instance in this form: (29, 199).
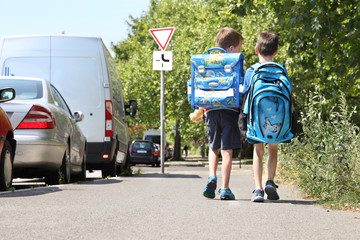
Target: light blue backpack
(215, 80)
(268, 105)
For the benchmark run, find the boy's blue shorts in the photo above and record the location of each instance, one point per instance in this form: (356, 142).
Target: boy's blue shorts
(223, 130)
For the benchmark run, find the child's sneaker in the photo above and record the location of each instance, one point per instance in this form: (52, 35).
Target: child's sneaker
(270, 190)
(226, 194)
(210, 188)
(258, 195)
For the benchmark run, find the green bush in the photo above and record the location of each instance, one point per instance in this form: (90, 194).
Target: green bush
(324, 159)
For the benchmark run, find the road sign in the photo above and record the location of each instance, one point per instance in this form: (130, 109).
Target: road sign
(162, 60)
(162, 36)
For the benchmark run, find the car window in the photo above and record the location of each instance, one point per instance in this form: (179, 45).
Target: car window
(142, 145)
(59, 101)
(24, 89)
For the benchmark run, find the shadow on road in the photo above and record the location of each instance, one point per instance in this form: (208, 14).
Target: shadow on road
(159, 175)
(30, 192)
(100, 181)
(295, 202)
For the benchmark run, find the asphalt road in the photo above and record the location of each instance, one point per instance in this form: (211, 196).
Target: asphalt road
(151, 205)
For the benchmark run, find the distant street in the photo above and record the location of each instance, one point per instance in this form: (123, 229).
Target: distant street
(151, 205)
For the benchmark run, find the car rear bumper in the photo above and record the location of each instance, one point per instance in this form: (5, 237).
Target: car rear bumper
(143, 159)
(33, 152)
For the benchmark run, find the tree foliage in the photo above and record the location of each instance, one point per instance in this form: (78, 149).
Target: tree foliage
(321, 41)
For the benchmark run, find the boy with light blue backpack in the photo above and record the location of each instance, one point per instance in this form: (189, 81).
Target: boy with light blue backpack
(269, 111)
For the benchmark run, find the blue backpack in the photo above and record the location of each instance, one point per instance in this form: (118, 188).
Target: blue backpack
(215, 80)
(268, 104)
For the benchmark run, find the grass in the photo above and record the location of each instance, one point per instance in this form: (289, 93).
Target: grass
(324, 160)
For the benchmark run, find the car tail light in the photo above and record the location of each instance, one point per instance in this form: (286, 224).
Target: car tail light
(38, 118)
(109, 119)
(156, 153)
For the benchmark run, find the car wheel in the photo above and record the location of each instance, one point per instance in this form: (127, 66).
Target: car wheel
(83, 170)
(66, 167)
(63, 175)
(6, 166)
(82, 175)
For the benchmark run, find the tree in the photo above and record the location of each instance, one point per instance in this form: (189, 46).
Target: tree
(321, 42)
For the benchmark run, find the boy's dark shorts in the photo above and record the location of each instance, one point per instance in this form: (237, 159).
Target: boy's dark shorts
(223, 130)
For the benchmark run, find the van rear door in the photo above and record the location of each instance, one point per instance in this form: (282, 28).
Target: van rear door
(76, 72)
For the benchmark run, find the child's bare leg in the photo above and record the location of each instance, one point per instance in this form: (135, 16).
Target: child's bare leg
(257, 164)
(226, 167)
(213, 161)
(272, 161)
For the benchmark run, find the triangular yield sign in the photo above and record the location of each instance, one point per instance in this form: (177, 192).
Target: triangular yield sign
(162, 36)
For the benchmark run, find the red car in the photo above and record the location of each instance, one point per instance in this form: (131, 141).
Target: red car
(7, 142)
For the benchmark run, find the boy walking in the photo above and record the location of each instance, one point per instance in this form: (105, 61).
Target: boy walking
(266, 48)
(222, 128)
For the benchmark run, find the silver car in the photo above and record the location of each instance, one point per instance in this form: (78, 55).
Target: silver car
(49, 142)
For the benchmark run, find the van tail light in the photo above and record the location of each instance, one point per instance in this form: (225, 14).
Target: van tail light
(108, 119)
(156, 154)
(38, 118)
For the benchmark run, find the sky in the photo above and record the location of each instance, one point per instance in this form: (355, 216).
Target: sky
(100, 18)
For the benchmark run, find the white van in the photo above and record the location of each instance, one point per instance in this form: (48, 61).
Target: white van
(81, 69)
(154, 135)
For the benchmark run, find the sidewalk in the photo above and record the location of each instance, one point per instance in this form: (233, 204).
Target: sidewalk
(194, 160)
(183, 213)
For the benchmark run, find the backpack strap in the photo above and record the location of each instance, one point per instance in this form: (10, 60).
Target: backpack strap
(216, 48)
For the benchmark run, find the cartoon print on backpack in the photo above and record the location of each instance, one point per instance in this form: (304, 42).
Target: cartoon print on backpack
(215, 80)
(271, 128)
(269, 105)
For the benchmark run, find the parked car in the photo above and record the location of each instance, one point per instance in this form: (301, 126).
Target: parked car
(49, 142)
(7, 142)
(144, 152)
(82, 69)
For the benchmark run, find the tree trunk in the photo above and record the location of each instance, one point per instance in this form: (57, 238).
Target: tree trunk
(177, 150)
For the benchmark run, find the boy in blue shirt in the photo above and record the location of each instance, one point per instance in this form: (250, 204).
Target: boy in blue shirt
(266, 48)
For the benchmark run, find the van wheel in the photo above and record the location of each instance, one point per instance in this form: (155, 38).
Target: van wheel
(110, 169)
(6, 166)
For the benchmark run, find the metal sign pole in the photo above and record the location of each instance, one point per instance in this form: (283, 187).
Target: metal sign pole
(162, 117)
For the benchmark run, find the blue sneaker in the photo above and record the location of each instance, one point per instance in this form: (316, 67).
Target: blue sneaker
(258, 195)
(210, 188)
(270, 189)
(226, 194)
